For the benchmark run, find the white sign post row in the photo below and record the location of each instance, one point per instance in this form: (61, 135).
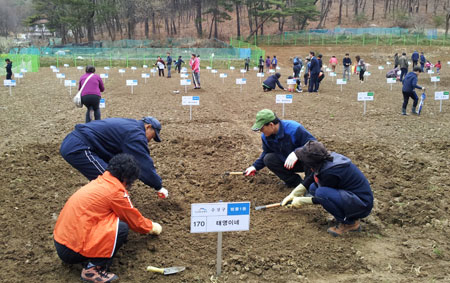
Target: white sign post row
(341, 82)
(283, 99)
(391, 81)
(223, 76)
(9, 83)
(435, 79)
(190, 100)
(365, 96)
(185, 82)
(241, 82)
(132, 83)
(220, 217)
(70, 84)
(441, 95)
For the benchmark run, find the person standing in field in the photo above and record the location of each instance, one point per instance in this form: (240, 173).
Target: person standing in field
(178, 64)
(268, 63)
(396, 62)
(423, 60)
(409, 84)
(438, 67)
(274, 62)
(8, 69)
(169, 65)
(161, 65)
(314, 70)
(247, 63)
(261, 65)
(195, 66)
(415, 58)
(361, 68)
(91, 94)
(403, 63)
(347, 63)
(333, 62)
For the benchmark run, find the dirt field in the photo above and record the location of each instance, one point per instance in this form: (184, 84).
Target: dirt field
(406, 160)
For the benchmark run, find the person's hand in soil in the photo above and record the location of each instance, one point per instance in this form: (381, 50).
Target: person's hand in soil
(163, 193)
(250, 171)
(300, 201)
(299, 191)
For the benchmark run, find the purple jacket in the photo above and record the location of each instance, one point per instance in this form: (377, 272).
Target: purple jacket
(93, 86)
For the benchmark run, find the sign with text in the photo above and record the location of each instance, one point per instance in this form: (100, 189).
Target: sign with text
(365, 96)
(145, 66)
(243, 71)
(271, 71)
(341, 81)
(241, 81)
(55, 70)
(185, 82)
(184, 76)
(132, 82)
(66, 65)
(23, 70)
(133, 68)
(80, 68)
(9, 82)
(70, 83)
(441, 95)
(332, 74)
(208, 68)
(430, 72)
(106, 68)
(145, 76)
(121, 71)
(220, 217)
(102, 103)
(232, 68)
(104, 76)
(380, 68)
(18, 75)
(291, 81)
(214, 71)
(435, 79)
(190, 100)
(223, 75)
(283, 98)
(260, 75)
(60, 76)
(391, 80)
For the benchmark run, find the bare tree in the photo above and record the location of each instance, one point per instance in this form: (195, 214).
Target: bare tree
(340, 12)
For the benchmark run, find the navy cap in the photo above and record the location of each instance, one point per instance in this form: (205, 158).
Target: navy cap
(156, 125)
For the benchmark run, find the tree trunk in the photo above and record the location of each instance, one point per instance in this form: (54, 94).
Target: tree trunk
(146, 27)
(373, 10)
(346, 8)
(386, 4)
(216, 34)
(174, 27)
(447, 22)
(356, 7)
(238, 21)
(340, 12)
(198, 18)
(210, 29)
(153, 23)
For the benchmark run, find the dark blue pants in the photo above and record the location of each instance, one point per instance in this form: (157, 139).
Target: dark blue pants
(78, 154)
(331, 201)
(69, 256)
(407, 95)
(275, 164)
(403, 74)
(313, 83)
(422, 65)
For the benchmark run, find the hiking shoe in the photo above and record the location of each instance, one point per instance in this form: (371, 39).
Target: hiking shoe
(342, 228)
(97, 274)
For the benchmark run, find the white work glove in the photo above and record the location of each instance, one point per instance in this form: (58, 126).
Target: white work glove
(299, 191)
(163, 193)
(423, 88)
(156, 229)
(290, 161)
(300, 201)
(250, 171)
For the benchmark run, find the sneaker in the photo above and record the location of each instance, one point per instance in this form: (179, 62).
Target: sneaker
(97, 274)
(342, 228)
(299, 90)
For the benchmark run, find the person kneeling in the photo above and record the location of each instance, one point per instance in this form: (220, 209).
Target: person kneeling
(336, 184)
(94, 222)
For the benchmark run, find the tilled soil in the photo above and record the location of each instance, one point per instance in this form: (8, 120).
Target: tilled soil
(406, 160)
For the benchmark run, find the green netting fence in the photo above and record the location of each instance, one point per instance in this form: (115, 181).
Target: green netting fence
(127, 57)
(20, 61)
(312, 38)
(256, 52)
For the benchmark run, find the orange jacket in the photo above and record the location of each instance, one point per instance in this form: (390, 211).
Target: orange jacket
(88, 223)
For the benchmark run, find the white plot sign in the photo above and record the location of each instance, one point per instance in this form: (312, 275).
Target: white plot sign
(190, 100)
(441, 95)
(365, 96)
(283, 99)
(9, 83)
(220, 217)
(132, 83)
(435, 79)
(341, 82)
(145, 76)
(70, 84)
(104, 76)
(102, 103)
(391, 81)
(241, 82)
(185, 83)
(223, 76)
(260, 76)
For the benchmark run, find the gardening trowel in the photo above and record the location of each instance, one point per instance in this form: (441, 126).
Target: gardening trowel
(167, 270)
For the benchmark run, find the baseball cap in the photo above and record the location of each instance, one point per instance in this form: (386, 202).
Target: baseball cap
(156, 125)
(263, 117)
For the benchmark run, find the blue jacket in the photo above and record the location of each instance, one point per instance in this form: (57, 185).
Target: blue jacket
(178, 62)
(347, 62)
(314, 68)
(291, 135)
(9, 68)
(274, 61)
(341, 174)
(272, 81)
(422, 59)
(410, 82)
(261, 62)
(112, 136)
(169, 60)
(415, 56)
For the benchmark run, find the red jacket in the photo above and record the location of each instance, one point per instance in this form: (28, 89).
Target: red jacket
(195, 65)
(88, 223)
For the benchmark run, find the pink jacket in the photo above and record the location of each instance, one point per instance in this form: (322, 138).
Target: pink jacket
(195, 65)
(333, 61)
